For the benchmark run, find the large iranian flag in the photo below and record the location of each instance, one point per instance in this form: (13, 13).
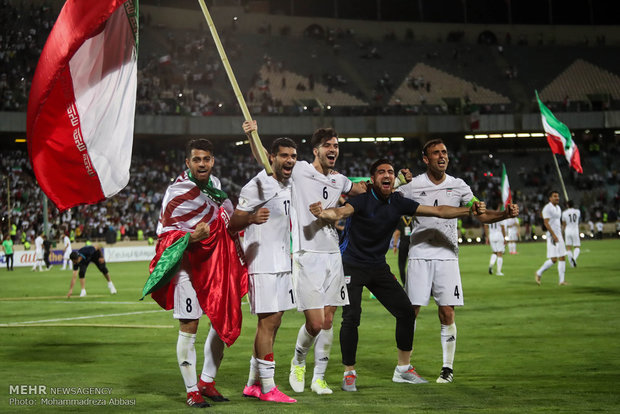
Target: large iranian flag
(506, 193)
(559, 137)
(82, 102)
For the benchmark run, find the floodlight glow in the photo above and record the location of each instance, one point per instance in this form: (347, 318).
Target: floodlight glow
(481, 136)
(509, 135)
(397, 139)
(353, 140)
(537, 134)
(478, 239)
(523, 135)
(469, 137)
(495, 135)
(368, 139)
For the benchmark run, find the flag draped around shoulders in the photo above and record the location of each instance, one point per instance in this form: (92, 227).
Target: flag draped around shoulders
(559, 137)
(216, 266)
(82, 102)
(506, 193)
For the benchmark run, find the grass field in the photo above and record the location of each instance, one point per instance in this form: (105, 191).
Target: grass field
(521, 348)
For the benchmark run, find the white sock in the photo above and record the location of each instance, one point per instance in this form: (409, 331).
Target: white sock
(577, 251)
(500, 262)
(186, 356)
(111, 286)
(569, 254)
(253, 377)
(548, 263)
(83, 292)
(403, 368)
(448, 344)
(321, 352)
(266, 371)
(561, 270)
(493, 258)
(214, 353)
(303, 345)
(352, 372)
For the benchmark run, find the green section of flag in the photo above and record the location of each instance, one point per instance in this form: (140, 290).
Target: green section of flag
(561, 130)
(167, 266)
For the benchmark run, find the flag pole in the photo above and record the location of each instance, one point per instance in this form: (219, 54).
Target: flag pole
(233, 81)
(557, 167)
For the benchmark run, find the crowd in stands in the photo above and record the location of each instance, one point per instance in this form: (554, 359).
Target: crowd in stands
(134, 211)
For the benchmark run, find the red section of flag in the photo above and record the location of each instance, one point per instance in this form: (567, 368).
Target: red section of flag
(55, 142)
(217, 274)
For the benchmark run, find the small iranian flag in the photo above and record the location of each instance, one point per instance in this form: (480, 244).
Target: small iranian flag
(559, 137)
(506, 194)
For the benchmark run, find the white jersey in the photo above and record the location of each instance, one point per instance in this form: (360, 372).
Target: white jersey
(267, 246)
(309, 186)
(38, 244)
(554, 214)
(511, 226)
(432, 237)
(495, 230)
(571, 217)
(66, 241)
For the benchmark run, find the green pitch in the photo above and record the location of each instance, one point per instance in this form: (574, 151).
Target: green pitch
(521, 348)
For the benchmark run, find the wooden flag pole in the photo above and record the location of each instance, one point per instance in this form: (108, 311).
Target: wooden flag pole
(557, 167)
(233, 81)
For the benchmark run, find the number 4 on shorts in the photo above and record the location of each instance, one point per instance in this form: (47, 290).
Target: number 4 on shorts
(456, 292)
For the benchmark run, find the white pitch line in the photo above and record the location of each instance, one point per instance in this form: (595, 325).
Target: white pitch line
(80, 317)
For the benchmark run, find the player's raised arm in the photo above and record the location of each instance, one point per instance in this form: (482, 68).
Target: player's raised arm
(493, 216)
(248, 127)
(241, 219)
(449, 212)
(331, 214)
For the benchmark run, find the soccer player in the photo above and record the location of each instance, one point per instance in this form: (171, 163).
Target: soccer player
(264, 211)
(556, 250)
(38, 253)
(196, 211)
(512, 233)
(496, 234)
(373, 216)
(81, 259)
(570, 225)
(317, 266)
(66, 242)
(7, 246)
(433, 253)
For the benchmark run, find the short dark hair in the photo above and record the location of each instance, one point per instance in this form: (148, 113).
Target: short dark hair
(431, 143)
(569, 203)
(321, 135)
(376, 164)
(552, 192)
(199, 144)
(282, 142)
(74, 255)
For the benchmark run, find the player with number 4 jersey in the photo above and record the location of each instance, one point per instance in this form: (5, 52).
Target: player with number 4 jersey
(433, 253)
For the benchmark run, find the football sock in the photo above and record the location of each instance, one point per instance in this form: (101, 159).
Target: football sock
(214, 352)
(321, 352)
(253, 377)
(186, 356)
(576, 254)
(500, 262)
(403, 368)
(304, 342)
(448, 344)
(548, 263)
(493, 259)
(569, 254)
(561, 270)
(266, 371)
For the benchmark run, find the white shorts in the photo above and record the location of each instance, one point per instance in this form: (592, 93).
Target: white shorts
(555, 249)
(497, 244)
(38, 255)
(186, 304)
(319, 280)
(513, 236)
(572, 238)
(270, 292)
(66, 255)
(440, 278)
